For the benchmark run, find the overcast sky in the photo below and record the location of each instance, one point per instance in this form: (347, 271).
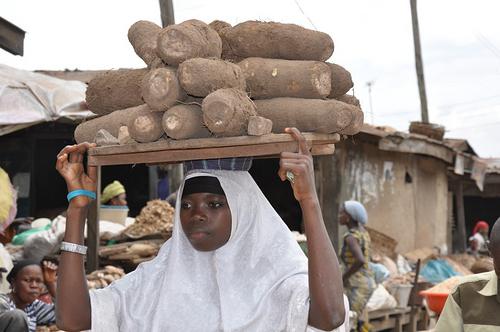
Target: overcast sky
(373, 40)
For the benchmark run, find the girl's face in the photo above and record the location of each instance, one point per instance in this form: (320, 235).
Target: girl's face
(343, 217)
(206, 220)
(28, 283)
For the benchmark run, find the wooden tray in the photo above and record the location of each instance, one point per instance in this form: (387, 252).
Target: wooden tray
(175, 151)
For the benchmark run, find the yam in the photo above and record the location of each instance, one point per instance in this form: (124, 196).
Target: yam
(258, 126)
(309, 115)
(142, 250)
(271, 78)
(143, 36)
(226, 112)
(103, 137)
(341, 81)
(218, 25)
(124, 136)
(161, 89)
(277, 41)
(356, 123)
(114, 270)
(200, 77)
(87, 130)
(146, 126)
(115, 90)
(190, 39)
(184, 121)
(349, 99)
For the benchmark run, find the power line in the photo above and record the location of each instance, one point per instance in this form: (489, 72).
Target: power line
(488, 44)
(476, 126)
(305, 15)
(474, 101)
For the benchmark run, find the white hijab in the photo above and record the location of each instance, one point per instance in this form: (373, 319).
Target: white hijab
(256, 282)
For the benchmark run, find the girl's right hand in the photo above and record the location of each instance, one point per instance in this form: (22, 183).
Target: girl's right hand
(70, 165)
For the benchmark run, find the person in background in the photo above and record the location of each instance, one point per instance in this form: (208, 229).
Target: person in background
(17, 226)
(474, 305)
(359, 282)
(21, 310)
(114, 194)
(172, 199)
(163, 186)
(478, 242)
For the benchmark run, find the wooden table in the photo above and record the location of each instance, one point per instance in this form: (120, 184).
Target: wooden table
(398, 319)
(176, 151)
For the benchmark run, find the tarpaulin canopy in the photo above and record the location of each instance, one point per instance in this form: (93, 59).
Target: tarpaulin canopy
(28, 98)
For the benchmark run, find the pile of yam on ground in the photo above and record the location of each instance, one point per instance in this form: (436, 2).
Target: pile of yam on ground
(217, 80)
(133, 253)
(104, 277)
(157, 217)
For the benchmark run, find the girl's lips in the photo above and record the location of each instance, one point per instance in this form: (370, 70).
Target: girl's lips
(198, 235)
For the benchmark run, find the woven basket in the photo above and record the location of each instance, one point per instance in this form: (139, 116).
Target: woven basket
(381, 243)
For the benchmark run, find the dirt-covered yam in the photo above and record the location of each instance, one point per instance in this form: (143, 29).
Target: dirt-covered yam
(226, 112)
(276, 41)
(349, 99)
(218, 25)
(190, 39)
(146, 126)
(103, 137)
(87, 130)
(115, 90)
(124, 136)
(271, 78)
(143, 36)
(184, 121)
(356, 123)
(309, 115)
(341, 81)
(258, 126)
(200, 77)
(161, 89)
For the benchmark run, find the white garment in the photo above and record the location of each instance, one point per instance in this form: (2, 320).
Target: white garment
(5, 262)
(256, 282)
(481, 242)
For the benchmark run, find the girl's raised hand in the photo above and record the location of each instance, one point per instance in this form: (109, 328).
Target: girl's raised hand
(70, 165)
(298, 168)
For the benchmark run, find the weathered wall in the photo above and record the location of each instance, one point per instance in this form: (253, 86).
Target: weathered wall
(406, 195)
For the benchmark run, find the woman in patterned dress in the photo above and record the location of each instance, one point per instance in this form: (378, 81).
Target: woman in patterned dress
(358, 279)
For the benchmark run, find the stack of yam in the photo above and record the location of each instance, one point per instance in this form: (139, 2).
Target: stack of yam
(131, 253)
(215, 80)
(104, 277)
(484, 264)
(157, 217)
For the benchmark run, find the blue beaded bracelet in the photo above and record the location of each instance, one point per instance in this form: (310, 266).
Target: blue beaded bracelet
(81, 192)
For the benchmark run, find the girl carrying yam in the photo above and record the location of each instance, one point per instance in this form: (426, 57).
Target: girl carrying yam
(230, 265)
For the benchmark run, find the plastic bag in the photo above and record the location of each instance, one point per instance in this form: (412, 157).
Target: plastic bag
(381, 299)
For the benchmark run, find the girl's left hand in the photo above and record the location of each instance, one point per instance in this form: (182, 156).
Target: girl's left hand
(49, 270)
(301, 167)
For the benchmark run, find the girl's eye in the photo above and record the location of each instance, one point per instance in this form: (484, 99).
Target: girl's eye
(216, 204)
(185, 205)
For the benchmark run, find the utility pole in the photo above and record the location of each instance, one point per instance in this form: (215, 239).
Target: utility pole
(175, 171)
(167, 12)
(369, 84)
(418, 62)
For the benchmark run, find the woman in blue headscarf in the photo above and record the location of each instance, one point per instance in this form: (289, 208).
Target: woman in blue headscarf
(359, 282)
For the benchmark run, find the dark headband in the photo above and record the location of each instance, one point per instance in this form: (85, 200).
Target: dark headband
(202, 184)
(18, 266)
